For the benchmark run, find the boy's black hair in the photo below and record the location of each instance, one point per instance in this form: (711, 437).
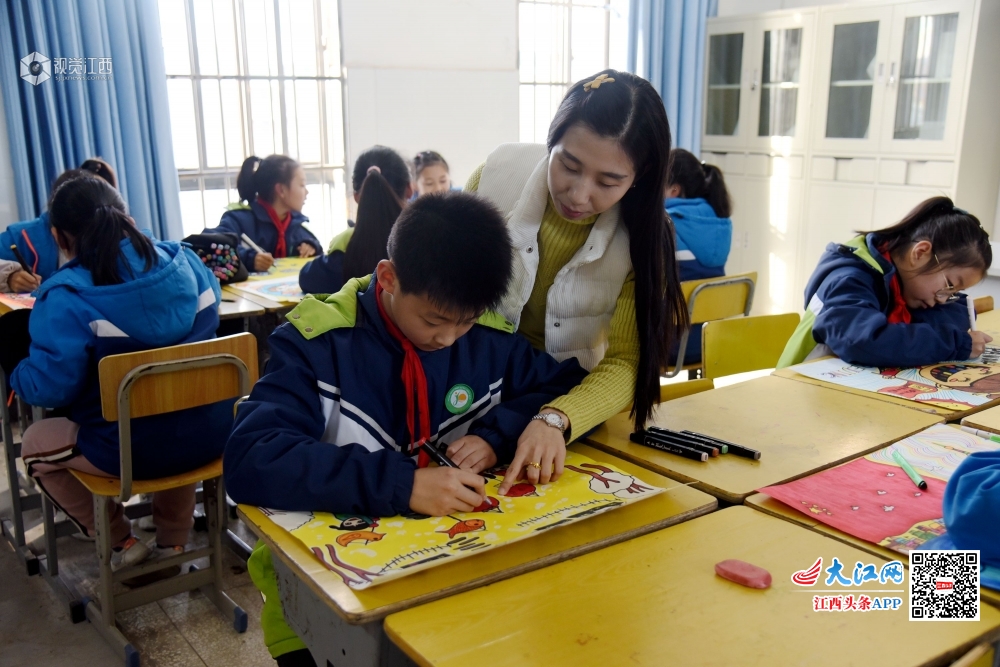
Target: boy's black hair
(453, 248)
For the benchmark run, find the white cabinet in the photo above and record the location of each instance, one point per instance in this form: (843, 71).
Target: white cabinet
(842, 118)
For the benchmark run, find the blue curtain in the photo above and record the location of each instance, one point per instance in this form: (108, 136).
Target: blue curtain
(55, 125)
(667, 48)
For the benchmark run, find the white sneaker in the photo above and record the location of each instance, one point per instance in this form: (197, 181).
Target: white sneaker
(132, 553)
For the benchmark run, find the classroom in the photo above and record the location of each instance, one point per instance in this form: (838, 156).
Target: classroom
(379, 333)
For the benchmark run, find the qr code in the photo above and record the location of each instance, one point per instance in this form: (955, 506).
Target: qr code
(944, 585)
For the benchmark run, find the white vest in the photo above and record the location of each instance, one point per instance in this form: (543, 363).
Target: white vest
(582, 299)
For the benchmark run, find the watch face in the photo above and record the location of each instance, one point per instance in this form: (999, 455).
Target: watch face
(553, 420)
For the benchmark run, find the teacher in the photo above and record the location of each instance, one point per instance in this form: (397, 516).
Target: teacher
(594, 271)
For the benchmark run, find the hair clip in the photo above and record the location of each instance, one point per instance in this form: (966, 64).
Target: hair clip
(959, 210)
(596, 83)
(372, 168)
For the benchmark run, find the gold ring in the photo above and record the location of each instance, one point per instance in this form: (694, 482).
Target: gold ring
(536, 466)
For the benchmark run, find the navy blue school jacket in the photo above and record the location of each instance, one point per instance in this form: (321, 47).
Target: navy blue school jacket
(325, 274)
(849, 295)
(75, 324)
(325, 428)
(253, 221)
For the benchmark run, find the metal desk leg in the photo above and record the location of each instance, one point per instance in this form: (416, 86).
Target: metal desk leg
(13, 527)
(333, 641)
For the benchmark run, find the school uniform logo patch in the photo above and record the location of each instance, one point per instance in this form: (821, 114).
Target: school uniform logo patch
(459, 399)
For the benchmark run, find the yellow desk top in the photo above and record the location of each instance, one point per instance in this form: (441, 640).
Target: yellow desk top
(798, 428)
(987, 420)
(768, 505)
(679, 503)
(656, 600)
(238, 307)
(283, 267)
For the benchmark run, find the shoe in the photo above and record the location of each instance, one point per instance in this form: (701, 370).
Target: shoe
(157, 575)
(132, 553)
(146, 523)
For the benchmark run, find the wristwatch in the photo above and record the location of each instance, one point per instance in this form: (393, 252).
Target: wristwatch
(553, 420)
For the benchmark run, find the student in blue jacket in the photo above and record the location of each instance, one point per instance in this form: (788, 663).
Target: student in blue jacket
(119, 292)
(274, 190)
(972, 506)
(34, 238)
(699, 204)
(332, 425)
(890, 297)
(381, 186)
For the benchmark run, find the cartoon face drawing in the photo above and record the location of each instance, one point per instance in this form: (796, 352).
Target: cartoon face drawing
(972, 378)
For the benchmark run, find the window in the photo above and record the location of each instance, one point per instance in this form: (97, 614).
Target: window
(561, 42)
(255, 77)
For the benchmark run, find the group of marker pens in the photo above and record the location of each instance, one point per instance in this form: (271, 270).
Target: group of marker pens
(689, 444)
(222, 260)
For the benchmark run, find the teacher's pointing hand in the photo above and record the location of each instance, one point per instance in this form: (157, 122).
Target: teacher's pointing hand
(541, 451)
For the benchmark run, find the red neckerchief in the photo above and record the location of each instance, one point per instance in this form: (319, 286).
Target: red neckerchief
(898, 313)
(280, 249)
(414, 382)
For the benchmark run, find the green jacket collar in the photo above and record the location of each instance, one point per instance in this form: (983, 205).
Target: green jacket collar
(317, 314)
(859, 246)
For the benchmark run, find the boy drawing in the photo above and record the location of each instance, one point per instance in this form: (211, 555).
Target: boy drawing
(357, 378)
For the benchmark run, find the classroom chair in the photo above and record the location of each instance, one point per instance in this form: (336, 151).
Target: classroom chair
(713, 299)
(745, 344)
(669, 392)
(142, 384)
(983, 304)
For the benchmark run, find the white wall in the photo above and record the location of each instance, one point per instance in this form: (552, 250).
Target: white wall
(435, 75)
(8, 198)
(736, 7)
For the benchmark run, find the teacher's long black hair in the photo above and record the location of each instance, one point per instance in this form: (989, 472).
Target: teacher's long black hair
(631, 112)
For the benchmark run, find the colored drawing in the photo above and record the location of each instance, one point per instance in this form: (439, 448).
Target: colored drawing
(350, 546)
(280, 289)
(955, 384)
(283, 267)
(873, 499)
(15, 301)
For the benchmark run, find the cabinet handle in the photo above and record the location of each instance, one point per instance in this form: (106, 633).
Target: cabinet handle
(754, 82)
(881, 72)
(892, 74)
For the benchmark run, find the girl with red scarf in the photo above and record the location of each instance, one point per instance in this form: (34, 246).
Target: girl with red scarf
(892, 297)
(274, 190)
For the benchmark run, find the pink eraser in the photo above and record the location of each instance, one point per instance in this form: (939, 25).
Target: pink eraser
(743, 573)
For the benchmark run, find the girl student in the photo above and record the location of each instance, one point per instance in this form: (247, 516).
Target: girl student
(595, 275)
(699, 205)
(889, 297)
(119, 292)
(274, 190)
(382, 185)
(34, 239)
(431, 172)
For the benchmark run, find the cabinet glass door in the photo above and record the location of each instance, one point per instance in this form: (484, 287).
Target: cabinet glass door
(779, 93)
(722, 102)
(852, 80)
(925, 76)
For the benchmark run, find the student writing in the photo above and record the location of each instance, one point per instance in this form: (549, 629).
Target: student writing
(889, 297)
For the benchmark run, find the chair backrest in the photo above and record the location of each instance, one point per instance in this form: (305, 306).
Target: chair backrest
(983, 304)
(718, 298)
(714, 299)
(745, 344)
(175, 378)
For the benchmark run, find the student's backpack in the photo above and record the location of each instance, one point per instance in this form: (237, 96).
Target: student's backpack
(218, 251)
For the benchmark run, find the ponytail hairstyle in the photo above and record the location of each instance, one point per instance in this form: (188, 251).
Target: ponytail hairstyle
(378, 208)
(98, 166)
(426, 159)
(631, 112)
(391, 165)
(956, 236)
(258, 177)
(698, 180)
(95, 216)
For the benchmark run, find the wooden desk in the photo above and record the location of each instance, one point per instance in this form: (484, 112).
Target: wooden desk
(768, 505)
(233, 307)
(331, 618)
(987, 420)
(656, 600)
(6, 307)
(798, 428)
(283, 267)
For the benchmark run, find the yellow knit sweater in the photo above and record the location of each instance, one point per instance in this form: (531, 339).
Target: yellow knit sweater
(609, 387)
